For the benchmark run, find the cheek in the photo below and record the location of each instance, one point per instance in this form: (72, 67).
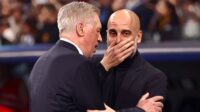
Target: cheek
(125, 38)
(94, 39)
(110, 40)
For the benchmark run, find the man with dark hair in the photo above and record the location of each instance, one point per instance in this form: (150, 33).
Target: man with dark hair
(126, 83)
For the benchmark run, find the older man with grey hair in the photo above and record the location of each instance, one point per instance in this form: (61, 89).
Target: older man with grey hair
(63, 79)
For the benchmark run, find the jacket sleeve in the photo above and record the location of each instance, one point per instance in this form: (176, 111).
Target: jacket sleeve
(133, 109)
(86, 88)
(157, 85)
(102, 73)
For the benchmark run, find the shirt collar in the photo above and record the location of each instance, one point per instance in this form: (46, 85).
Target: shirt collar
(67, 40)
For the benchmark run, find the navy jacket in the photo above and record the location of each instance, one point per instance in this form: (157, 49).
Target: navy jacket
(62, 80)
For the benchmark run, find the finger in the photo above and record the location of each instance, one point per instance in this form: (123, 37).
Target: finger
(158, 109)
(110, 50)
(126, 55)
(106, 106)
(145, 96)
(108, 109)
(113, 43)
(124, 47)
(117, 58)
(115, 61)
(120, 57)
(156, 98)
(127, 51)
(124, 42)
(111, 46)
(159, 104)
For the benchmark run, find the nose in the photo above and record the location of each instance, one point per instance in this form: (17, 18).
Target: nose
(99, 38)
(118, 39)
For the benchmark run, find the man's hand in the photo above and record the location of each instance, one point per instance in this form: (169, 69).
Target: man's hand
(117, 53)
(153, 104)
(108, 109)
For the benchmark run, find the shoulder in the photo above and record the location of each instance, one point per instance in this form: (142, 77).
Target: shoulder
(62, 54)
(152, 71)
(156, 80)
(62, 61)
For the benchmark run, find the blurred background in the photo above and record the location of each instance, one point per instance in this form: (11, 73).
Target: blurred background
(171, 42)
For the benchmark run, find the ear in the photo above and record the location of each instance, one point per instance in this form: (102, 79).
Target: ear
(139, 37)
(79, 29)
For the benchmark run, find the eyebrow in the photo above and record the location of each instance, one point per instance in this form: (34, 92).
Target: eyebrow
(126, 30)
(121, 30)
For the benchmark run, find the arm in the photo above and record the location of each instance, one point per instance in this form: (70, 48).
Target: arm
(87, 93)
(145, 104)
(157, 84)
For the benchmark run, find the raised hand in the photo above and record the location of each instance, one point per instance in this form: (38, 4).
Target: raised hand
(117, 53)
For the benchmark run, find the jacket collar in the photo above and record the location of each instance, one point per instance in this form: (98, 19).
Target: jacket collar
(66, 45)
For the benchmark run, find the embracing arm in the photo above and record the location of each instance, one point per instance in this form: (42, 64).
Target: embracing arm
(145, 104)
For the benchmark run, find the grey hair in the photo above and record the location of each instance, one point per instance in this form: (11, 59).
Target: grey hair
(73, 12)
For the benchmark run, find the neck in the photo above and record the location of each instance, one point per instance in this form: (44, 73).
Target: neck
(70, 36)
(75, 39)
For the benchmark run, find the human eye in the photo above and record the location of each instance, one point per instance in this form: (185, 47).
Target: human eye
(112, 33)
(126, 33)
